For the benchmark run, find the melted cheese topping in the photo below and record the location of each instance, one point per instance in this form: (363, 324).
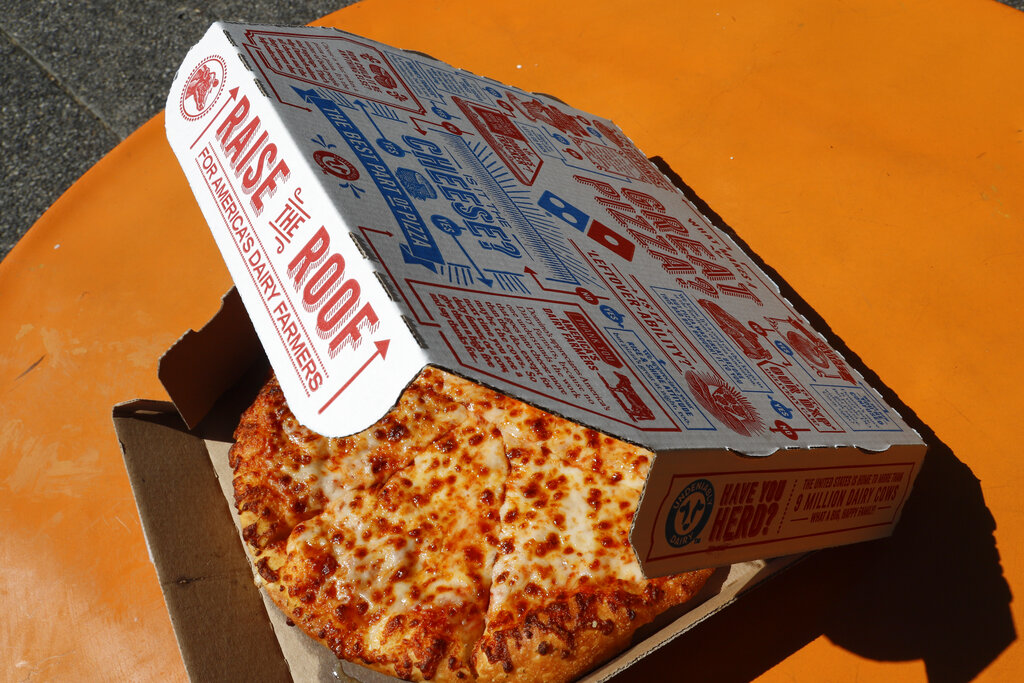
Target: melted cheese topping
(410, 551)
(572, 493)
(285, 473)
(462, 522)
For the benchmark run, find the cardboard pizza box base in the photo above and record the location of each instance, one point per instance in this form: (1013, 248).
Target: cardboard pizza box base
(225, 625)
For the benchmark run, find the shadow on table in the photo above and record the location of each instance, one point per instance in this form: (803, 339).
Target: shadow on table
(933, 591)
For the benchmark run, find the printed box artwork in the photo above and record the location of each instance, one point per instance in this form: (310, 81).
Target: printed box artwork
(379, 211)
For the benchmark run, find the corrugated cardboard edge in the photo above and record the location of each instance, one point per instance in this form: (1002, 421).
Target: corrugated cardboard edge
(218, 617)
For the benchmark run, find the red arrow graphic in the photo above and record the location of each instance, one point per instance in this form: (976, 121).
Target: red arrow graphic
(382, 351)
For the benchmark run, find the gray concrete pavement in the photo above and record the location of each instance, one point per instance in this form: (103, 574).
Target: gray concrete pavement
(76, 78)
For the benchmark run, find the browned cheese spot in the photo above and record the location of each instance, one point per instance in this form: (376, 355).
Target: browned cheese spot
(268, 574)
(557, 482)
(397, 432)
(551, 542)
(473, 555)
(378, 463)
(541, 427)
(394, 623)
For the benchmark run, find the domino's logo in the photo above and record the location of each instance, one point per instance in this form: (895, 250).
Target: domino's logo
(689, 513)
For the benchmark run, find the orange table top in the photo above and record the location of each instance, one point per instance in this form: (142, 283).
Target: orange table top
(872, 153)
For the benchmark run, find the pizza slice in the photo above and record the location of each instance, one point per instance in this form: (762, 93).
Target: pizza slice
(285, 473)
(398, 579)
(568, 592)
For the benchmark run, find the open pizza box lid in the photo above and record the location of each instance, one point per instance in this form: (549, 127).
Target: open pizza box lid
(380, 211)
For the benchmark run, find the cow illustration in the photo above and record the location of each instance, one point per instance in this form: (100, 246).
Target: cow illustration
(200, 85)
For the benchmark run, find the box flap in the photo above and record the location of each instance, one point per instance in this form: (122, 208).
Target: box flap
(203, 364)
(380, 210)
(341, 349)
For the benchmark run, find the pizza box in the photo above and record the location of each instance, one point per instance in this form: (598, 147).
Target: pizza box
(225, 625)
(380, 211)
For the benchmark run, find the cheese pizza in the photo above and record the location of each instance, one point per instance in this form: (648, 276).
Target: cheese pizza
(465, 536)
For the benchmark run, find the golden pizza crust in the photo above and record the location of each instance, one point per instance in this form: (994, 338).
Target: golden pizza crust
(574, 632)
(465, 536)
